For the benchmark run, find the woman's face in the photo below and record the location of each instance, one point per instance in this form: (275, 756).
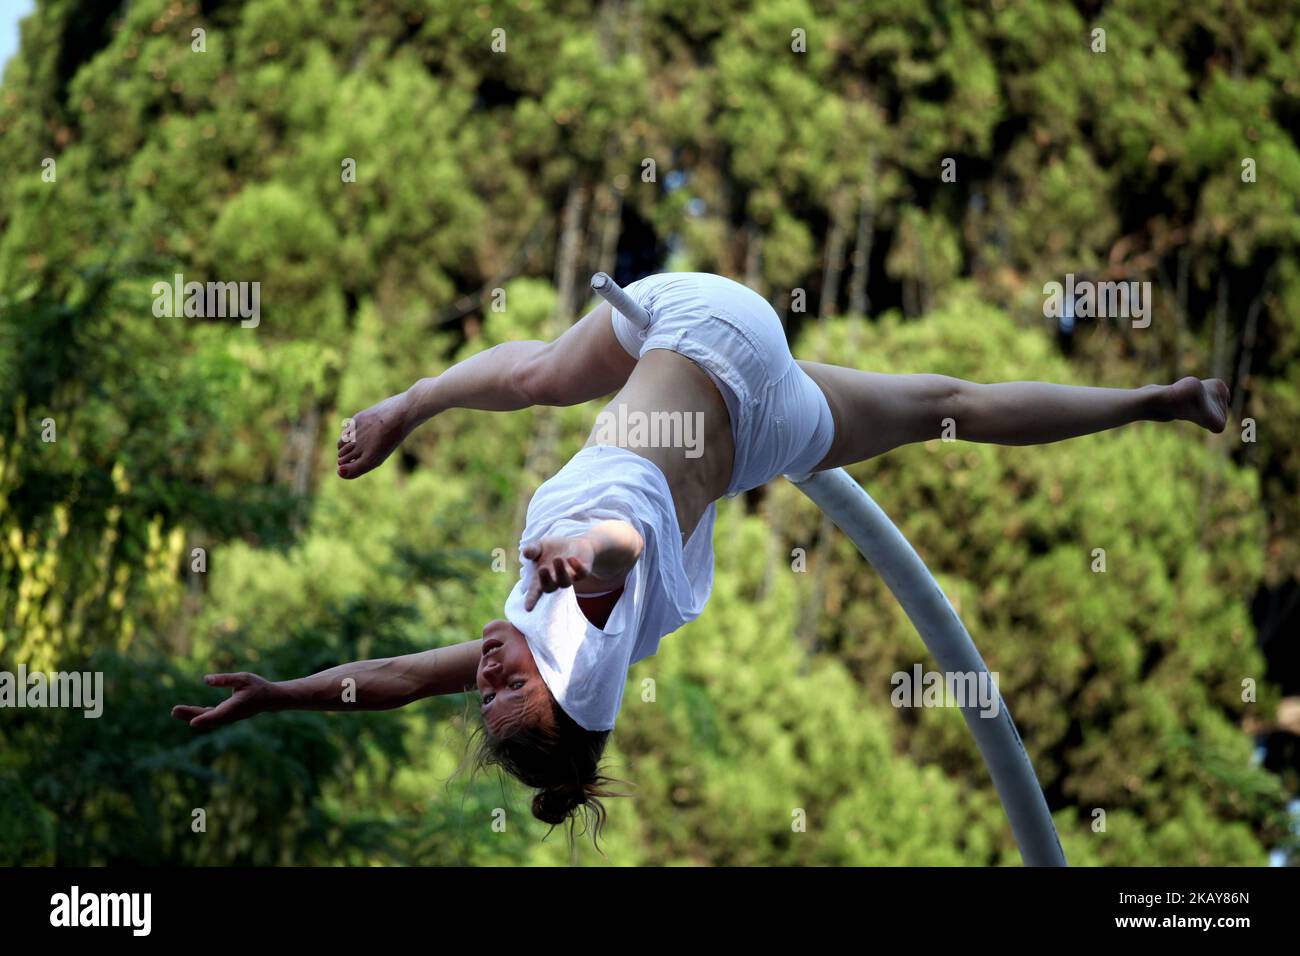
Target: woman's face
(507, 675)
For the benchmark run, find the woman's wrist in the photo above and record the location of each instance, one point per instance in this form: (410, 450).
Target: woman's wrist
(277, 697)
(616, 546)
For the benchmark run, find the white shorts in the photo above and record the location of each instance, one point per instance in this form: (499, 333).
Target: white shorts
(780, 420)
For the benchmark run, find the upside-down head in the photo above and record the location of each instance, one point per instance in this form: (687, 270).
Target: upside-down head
(526, 733)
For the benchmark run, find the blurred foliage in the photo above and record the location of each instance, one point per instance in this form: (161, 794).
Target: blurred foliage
(814, 177)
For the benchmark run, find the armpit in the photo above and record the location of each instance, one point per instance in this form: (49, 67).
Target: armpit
(598, 609)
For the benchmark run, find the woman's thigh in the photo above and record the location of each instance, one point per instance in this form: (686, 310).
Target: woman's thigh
(875, 412)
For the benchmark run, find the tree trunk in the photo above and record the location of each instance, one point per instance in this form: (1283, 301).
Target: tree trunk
(858, 278)
(729, 263)
(922, 274)
(1180, 313)
(1209, 481)
(754, 258)
(298, 454)
(1247, 356)
(1220, 329)
(611, 227)
(812, 611)
(833, 260)
(541, 450)
(570, 250)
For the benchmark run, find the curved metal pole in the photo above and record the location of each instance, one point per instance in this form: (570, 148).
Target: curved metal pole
(854, 512)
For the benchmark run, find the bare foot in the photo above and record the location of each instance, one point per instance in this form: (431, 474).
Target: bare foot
(1201, 401)
(374, 434)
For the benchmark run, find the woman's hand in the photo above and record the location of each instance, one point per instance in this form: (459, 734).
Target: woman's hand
(561, 563)
(252, 696)
(603, 556)
(373, 436)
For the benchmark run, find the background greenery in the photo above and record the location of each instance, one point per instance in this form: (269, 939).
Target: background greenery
(523, 171)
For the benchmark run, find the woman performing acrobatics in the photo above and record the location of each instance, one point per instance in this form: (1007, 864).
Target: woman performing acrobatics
(617, 551)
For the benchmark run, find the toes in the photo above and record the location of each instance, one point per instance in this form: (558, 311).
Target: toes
(346, 448)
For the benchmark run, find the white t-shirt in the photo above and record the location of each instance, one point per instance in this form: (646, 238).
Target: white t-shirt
(584, 666)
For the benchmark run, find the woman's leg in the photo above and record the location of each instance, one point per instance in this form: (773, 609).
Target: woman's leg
(875, 412)
(585, 362)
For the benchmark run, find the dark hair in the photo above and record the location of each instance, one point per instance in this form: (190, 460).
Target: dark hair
(544, 748)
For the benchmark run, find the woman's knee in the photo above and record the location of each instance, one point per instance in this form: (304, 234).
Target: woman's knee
(948, 398)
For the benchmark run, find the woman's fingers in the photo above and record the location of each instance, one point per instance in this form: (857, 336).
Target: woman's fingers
(200, 716)
(226, 680)
(543, 581)
(561, 569)
(532, 552)
(552, 571)
(212, 716)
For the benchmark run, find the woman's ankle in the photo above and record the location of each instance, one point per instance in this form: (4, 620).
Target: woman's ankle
(1156, 403)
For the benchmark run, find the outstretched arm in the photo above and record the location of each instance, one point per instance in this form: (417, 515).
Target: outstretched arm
(380, 684)
(585, 362)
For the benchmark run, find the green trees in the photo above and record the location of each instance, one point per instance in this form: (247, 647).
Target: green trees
(425, 179)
